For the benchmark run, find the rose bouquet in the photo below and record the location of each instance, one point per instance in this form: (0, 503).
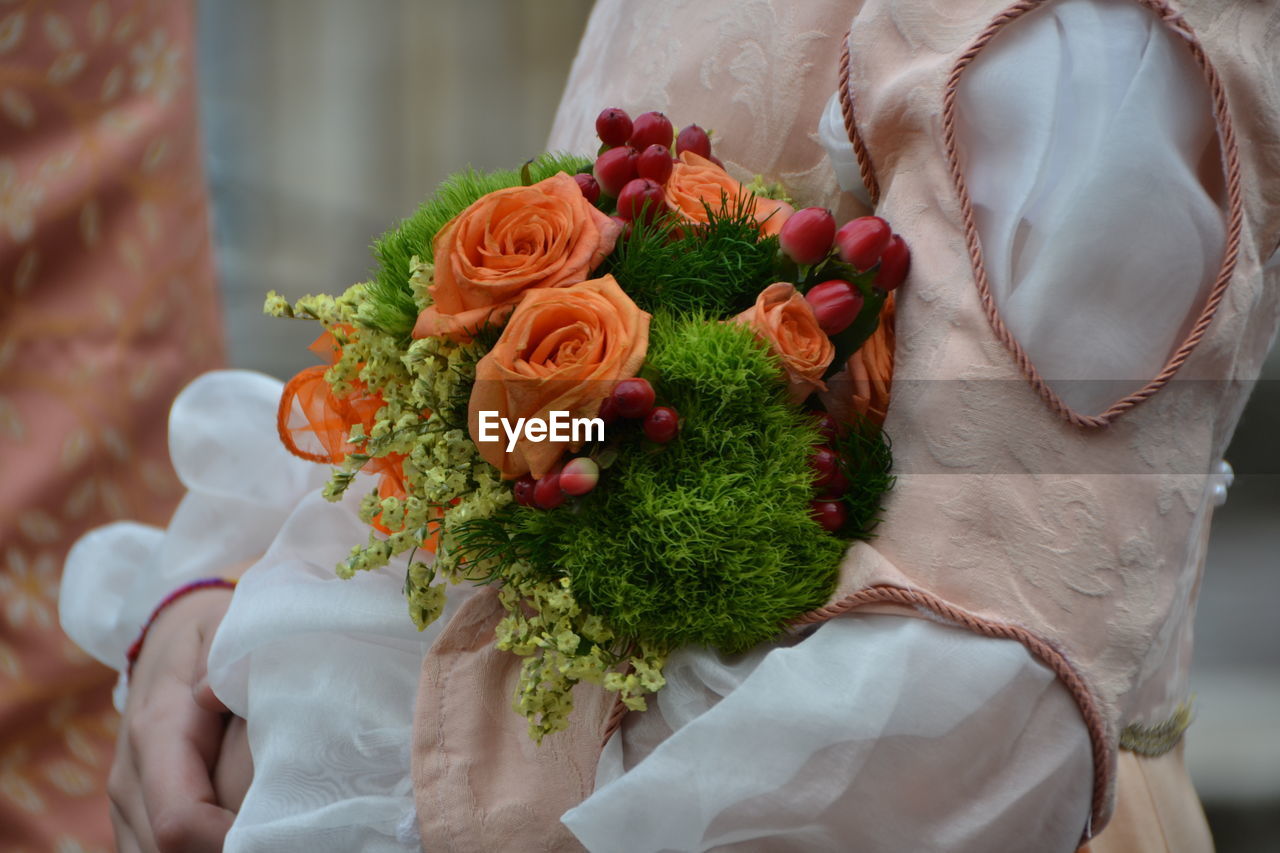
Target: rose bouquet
(642, 397)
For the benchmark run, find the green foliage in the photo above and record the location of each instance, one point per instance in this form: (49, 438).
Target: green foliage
(716, 268)
(706, 540)
(390, 305)
(866, 459)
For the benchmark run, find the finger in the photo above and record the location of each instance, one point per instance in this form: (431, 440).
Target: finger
(124, 791)
(126, 841)
(206, 698)
(175, 764)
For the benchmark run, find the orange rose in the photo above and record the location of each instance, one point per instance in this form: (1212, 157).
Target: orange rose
(696, 182)
(784, 320)
(562, 351)
(507, 243)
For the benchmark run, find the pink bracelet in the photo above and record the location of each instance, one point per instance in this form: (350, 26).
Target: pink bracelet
(131, 656)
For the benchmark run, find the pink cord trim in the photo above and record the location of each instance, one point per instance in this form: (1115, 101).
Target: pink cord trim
(851, 126)
(1227, 138)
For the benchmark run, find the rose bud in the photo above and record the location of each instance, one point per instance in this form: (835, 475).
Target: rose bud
(694, 139)
(894, 264)
(835, 303)
(861, 241)
(614, 168)
(806, 236)
(579, 476)
(655, 163)
(590, 188)
(613, 126)
(651, 129)
(641, 200)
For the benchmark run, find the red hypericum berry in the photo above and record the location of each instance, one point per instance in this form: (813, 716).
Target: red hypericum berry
(547, 493)
(828, 426)
(608, 410)
(662, 424)
(641, 200)
(654, 163)
(825, 464)
(835, 304)
(634, 397)
(523, 489)
(614, 168)
(626, 226)
(613, 126)
(651, 129)
(694, 140)
(807, 234)
(894, 264)
(861, 241)
(834, 487)
(579, 476)
(714, 159)
(589, 186)
(830, 514)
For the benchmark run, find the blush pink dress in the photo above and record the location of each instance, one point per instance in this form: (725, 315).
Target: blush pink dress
(107, 308)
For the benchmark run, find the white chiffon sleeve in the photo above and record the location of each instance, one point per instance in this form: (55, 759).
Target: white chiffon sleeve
(241, 486)
(876, 733)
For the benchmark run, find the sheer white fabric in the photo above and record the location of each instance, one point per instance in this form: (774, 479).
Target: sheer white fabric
(877, 733)
(241, 485)
(1091, 157)
(1090, 154)
(325, 672)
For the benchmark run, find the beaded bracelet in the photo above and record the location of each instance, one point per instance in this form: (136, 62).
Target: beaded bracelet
(131, 656)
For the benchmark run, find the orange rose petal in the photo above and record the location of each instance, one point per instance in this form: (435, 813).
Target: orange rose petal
(508, 242)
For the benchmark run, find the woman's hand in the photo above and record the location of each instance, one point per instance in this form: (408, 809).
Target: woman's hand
(171, 737)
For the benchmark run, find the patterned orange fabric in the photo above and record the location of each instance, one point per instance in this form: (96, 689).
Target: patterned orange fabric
(107, 307)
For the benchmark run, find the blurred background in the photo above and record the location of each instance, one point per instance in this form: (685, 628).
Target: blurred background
(325, 121)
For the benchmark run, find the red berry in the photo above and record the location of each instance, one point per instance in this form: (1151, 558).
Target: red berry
(626, 226)
(613, 126)
(590, 188)
(894, 264)
(547, 493)
(614, 168)
(579, 476)
(641, 200)
(828, 426)
(825, 464)
(634, 397)
(807, 234)
(608, 410)
(654, 163)
(835, 304)
(830, 514)
(694, 139)
(714, 159)
(524, 490)
(662, 424)
(651, 129)
(861, 241)
(835, 486)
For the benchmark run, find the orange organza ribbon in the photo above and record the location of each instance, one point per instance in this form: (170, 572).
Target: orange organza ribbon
(322, 433)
